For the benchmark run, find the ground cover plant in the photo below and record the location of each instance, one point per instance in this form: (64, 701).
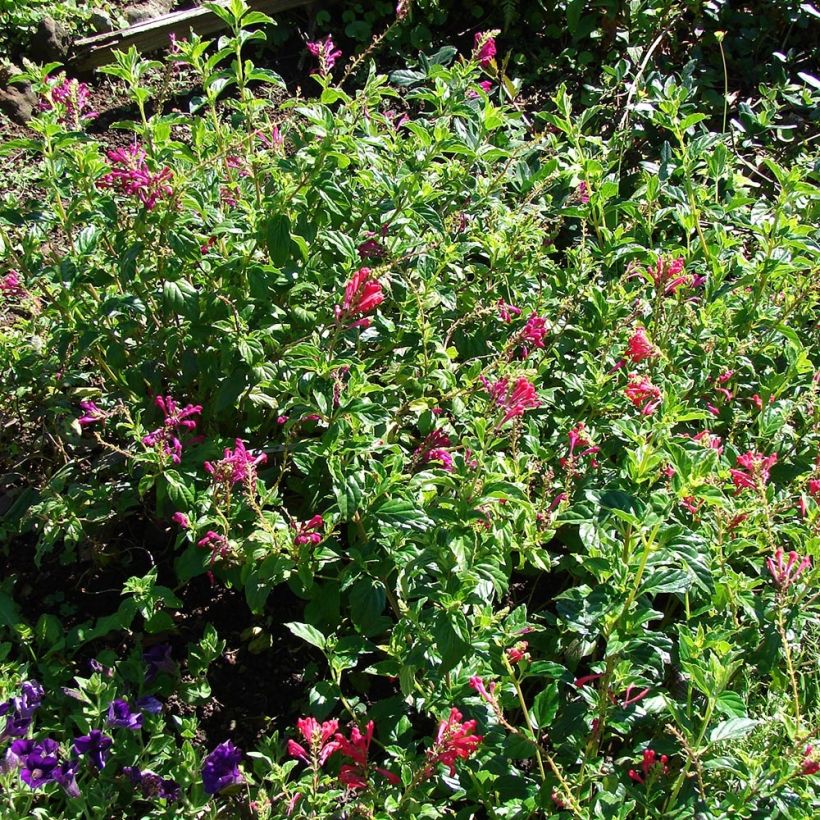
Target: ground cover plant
(468, 445)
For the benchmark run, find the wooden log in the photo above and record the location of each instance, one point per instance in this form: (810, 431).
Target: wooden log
(152, 35)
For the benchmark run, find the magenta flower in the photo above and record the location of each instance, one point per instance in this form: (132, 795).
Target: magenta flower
(486, 694)
(433, 449)
(750, 467)
(514, 399)
(362, 295)
(275, 141)
(484, 48)
(371, 249)
(583, 193)
(814, 488)
(236, 466)
(176, 420)
(639, 347)
(11, 285)
(668, 274)
(532, 334)
(130, 176)
(309, 532)
(786, 573)
(516, 654)
(91, 414)
(507, 311)
(75, 99)
(578, 438)
(643, 394)
(811, 761)
(318, 737)
(649, 762)
(326, 53)
(455, 740)
(219, 547)
(355, 775)
(709, 441)
(181, 519)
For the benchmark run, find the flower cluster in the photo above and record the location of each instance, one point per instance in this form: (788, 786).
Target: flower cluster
(578, 437)
(176, 419)
(11, 285)
(752, 467)
(514, 399)
(91, 414)
(648, 764)
(785, 573)
(320, 740)
(309, 532)
(75, 99)
(354, 775)
(152, 786)
(363, 294)
(643, 394)
(455, 740)
(433, 449)
(326, 53)
(130, 176)
(237, 466)
(39, 763)
(532, 334)
(19, 711)
(484, 50)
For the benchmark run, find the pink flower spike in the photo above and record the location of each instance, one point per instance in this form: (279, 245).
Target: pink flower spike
(811, 761)
(326, 53)
(477, 683)
(309, 532)
(484, 50)
(362, 295)
(10, 284)
(751, 467)
(643, 394)
(785, 574)
(91, 414)
(455, 740)
(585, 679)
(181, 519)
(507, 311)
(639, 347)
(515, 399)
(629, 698)
(516, 654)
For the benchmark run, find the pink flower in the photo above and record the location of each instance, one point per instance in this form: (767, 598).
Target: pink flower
(292, 803)
(518, 653)
(709, 441)
(814, 488)
(533, 333)
(282, 419)
(275, 141)
(91, 413)
(176, 419)
(484, 48)
(506, 312)
(513, 399)
(75, 99)
(628, 698)
(785, 574)
(181, 519)
(236, 466)
(578, 438)
(583, 193)
(433, 449)
(750, 467)
(362, 295)
(309, 532)
(668, 274)
(319, 740)
(219, 547)
(639, 348)
(477, 683)
(130, 176)
(585, 679)
(691, 504)
(10, 284)
(811, 761)
(650, 760)
(326, 53)
(455, 740)
(643, 394)
(354, 775)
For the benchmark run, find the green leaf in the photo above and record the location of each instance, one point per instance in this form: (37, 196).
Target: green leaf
(276, 236)
(732, 729)
(308, 633)
(402, 514)
(545, 706)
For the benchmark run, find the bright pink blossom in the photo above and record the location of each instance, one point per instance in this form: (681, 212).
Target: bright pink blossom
(750, 467)
(811, 761)
(668, 274)
(507, 311)
(514, 399)
(785, 573)
(355, 775)
(643, 394)
(326, 53)
(649, 762)
(583, 193)
(578, 438)
(130, 176)
(91, 413)
(309, 532)
(484, 50)
(709, 441)
(176, 420)
(75, 99)
(181, 519)
(237, 466)
(433, 448)
(639, 348)
(533, 333)
(219, 547)
(516, 654)
(455, 740)
(10, 284)
(319, 738)
(362, 295)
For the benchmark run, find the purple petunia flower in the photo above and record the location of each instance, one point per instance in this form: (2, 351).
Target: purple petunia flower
(220, 769)
(40, 763)
(95, 746)
(152, 785)
(120, 714)
(158, 659)
(20, 710)
(148, 703)
(66, 776)
(17, 752)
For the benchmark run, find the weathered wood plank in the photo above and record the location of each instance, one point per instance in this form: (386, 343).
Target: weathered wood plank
(152, 35)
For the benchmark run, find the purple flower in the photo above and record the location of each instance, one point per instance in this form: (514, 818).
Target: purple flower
(326, 53)
(152, 785)
(129, 175)
(20, 710)
(176, 419)
(10, 284)
(220, 769)
(40, 763)
(74, 97)
(120, 714)
(66, 775)
(158, 659)
(236, 466)
(17, 752)
(95, 746)
(181, 519)
(148, 703)
(91, 413)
